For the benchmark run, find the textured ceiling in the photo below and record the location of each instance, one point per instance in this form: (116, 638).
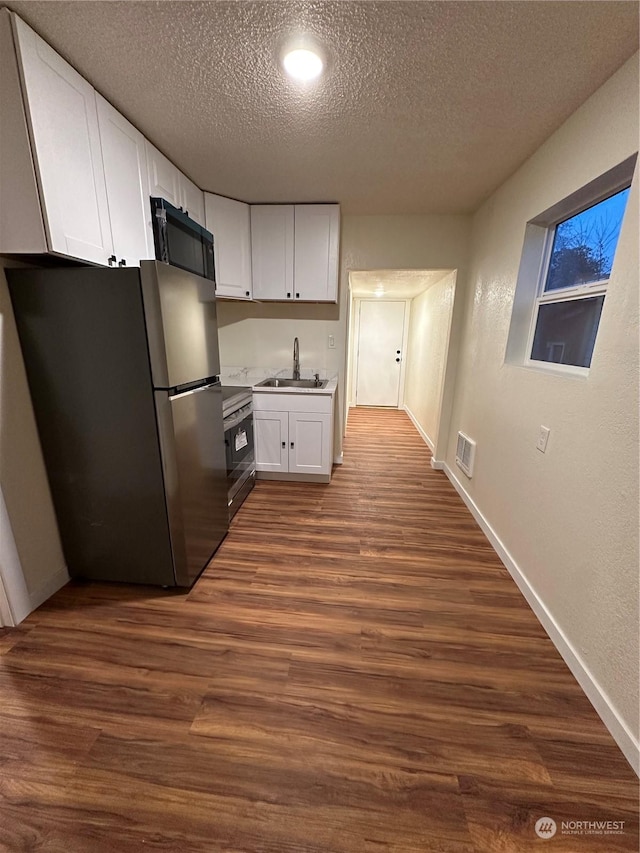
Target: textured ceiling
(393, 284)
(425, 106)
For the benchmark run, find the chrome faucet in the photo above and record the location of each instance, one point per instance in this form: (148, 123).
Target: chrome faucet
(296, 359)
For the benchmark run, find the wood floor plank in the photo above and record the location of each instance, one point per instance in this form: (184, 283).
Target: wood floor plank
(355, 672)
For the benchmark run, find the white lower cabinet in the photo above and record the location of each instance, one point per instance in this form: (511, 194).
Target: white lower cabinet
(293, 442)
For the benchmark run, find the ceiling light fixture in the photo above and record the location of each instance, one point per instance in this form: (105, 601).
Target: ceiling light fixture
(302, 64)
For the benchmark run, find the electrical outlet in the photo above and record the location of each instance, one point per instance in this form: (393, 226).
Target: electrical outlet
(332, 342)
(543, 438)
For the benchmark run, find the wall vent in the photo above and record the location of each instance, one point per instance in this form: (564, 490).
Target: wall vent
(465, 454)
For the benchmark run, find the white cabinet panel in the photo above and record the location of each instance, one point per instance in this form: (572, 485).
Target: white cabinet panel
(164, 177)
(272, 234)
(317, 233)
(168, 182)
(271, 435)
(294, 251)
(192, 200)
(125, 169)
(229, 222)
(61, 111)
(310, 443)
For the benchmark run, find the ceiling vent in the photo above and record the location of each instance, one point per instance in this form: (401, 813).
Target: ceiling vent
(465, 454)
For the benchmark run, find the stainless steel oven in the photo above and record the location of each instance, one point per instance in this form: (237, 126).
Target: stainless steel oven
(238, 439)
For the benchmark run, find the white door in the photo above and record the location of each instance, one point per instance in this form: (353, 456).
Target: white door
(125, 170)
(229, 222)
(272, 232)
(379, 357)
(61, 108)
(317, 233)
(309, 443)
(271, 436)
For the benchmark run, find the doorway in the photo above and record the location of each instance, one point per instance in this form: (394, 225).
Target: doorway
(381, 331)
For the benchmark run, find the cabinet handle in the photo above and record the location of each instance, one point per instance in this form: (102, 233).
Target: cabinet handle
(288, 296)
(284, 444)
(247, 293)
(292, 445)
(297, 296)
(122, 263)
(112, 260)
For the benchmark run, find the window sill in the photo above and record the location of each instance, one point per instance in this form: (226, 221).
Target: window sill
(555, 370)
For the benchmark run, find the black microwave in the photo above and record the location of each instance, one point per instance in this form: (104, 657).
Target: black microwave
(180, 241)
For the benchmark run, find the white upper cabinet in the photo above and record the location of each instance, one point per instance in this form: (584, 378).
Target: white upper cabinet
(272, 234)
(62, 117)
(164, 177)
(317, 236)
(125, 170)
(192, 200)
(294, 251)
(168, 182)
(229, 222)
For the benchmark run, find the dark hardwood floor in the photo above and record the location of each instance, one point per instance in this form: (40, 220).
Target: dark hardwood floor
(355, 672)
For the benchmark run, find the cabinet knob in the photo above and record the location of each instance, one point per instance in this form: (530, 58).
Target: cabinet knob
(111, 260)
(288, 296)
(247, 293)
(397, 359)
(297, 296)
(292, 445)
(284, 444)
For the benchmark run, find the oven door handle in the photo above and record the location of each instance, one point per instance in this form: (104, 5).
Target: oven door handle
(236, 418)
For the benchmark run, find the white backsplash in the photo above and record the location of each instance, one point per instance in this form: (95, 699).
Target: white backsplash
(235, 375)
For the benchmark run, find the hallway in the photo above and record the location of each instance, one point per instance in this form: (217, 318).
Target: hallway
(354, 672)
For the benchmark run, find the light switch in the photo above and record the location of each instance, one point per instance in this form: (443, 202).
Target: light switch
(543, 438)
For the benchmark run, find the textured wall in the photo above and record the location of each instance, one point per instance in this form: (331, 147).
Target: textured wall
(23, 479)
(568, 517)
(427, 353)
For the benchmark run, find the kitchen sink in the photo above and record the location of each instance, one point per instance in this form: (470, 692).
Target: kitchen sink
(292, 383)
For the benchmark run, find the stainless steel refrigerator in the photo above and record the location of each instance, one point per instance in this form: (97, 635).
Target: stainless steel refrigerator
(123, 371)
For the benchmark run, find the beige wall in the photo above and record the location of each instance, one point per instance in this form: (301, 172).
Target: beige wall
(569, 518)
(29, 519)
(426, 355)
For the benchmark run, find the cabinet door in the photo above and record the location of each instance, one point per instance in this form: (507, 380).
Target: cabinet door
(272, 228)
(229, 222)
(61, 111)
(164, 177)
(125, 170)
(192, 200)
(317, 233)
(271, 436)
(310, 443)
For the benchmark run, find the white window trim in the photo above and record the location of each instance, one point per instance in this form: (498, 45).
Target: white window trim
(534, 263)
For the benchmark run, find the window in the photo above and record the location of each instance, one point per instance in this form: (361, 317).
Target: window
(566, 262)
(579, 258)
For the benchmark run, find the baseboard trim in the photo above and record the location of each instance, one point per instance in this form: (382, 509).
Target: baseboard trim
(606, 711)
(49, 587)
(437, 465)
(423, 434)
